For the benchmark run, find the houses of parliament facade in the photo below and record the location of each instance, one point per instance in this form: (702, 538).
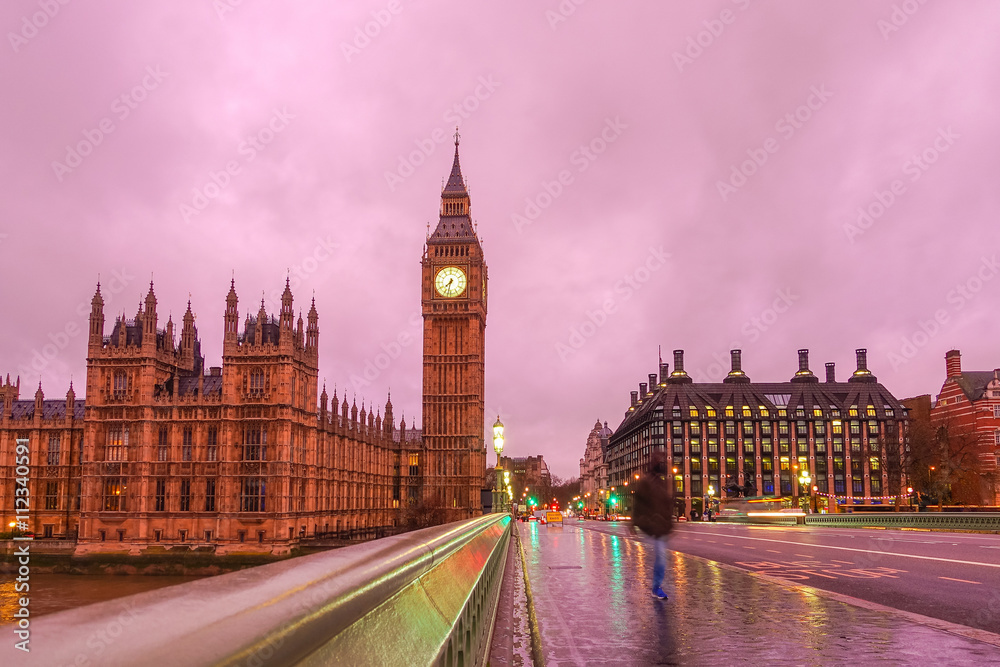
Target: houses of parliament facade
(253, 456)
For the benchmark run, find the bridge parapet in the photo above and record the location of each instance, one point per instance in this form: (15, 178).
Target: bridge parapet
(971, 521)
(426, 597)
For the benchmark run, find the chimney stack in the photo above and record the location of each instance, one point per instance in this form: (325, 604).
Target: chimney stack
(862, 356)
(953, 363)
(664, 372)
(862, 374)
(679, 362)
(652, 382)
(736, 374)
(635, 398)
(642, 390)
(804, 374)
(831, 372)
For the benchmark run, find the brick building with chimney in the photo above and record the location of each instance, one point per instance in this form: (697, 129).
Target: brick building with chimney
(968, 409)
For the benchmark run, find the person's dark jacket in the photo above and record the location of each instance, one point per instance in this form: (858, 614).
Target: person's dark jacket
(653, 513)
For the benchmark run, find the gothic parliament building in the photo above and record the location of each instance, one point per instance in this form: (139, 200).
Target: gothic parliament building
(253, 456)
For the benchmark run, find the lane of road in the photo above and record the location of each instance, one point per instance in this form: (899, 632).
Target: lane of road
(951, 576)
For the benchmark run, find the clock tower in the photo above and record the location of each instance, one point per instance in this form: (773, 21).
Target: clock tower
(453, 297)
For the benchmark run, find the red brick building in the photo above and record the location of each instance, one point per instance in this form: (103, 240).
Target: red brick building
(968, 410)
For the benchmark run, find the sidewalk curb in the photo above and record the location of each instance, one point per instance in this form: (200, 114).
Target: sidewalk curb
(945, 626)
(537, 656)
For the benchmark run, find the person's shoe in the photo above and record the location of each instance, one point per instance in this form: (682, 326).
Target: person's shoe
(659, 594)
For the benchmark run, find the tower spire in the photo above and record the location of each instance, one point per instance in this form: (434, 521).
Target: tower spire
(455, 223)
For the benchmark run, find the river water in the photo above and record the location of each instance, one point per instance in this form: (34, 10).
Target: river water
(54, 592)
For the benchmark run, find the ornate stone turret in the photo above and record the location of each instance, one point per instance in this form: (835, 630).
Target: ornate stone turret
(149, 321)
(388, 415)
(232, 317)
(286, 316)
(312, 331)
(188, 335)
(96, 338)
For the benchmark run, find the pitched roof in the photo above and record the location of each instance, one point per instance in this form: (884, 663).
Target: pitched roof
(974, 383)
(771, 395)
(53, 409)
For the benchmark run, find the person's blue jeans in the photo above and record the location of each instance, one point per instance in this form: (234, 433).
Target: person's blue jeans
(659, 560)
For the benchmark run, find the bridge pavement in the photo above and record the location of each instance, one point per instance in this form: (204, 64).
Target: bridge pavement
(592, 606)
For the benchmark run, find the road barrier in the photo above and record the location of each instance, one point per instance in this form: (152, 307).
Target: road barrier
(421, 598)
(978, 521)
(973, 521)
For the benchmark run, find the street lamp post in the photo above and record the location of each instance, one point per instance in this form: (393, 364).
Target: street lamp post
(805, 481)
(711, 498)
(498, 489)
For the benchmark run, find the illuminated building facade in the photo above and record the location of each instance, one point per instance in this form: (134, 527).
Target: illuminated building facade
(743, 437)
(594, 468)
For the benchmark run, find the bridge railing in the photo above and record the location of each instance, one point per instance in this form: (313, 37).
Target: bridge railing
(422, 598)
(974, 521)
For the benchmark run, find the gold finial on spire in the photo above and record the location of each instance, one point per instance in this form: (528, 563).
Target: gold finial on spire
(457, 136)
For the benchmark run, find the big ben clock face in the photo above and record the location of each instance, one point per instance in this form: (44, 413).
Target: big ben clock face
(450, 281)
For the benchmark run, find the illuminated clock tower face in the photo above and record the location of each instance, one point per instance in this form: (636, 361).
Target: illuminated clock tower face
(450, 281)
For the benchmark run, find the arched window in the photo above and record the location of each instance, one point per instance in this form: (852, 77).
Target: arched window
(116, 446)
(257, 381)
(120, 385)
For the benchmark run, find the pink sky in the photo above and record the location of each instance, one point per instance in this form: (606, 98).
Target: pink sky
(599, 145)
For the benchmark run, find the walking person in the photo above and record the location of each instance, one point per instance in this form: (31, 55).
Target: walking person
(653, 514)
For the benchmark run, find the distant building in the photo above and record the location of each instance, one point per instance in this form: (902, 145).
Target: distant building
(527, 472)
(594, 468)
(742, 437)
(968, 409)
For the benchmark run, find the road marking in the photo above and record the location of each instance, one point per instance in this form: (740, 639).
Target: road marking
(728, 544)
(872, 551)
(711, 541)
(803, 555)
(746, 547)
(962, 581)
(772, 551)
(843, 562)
